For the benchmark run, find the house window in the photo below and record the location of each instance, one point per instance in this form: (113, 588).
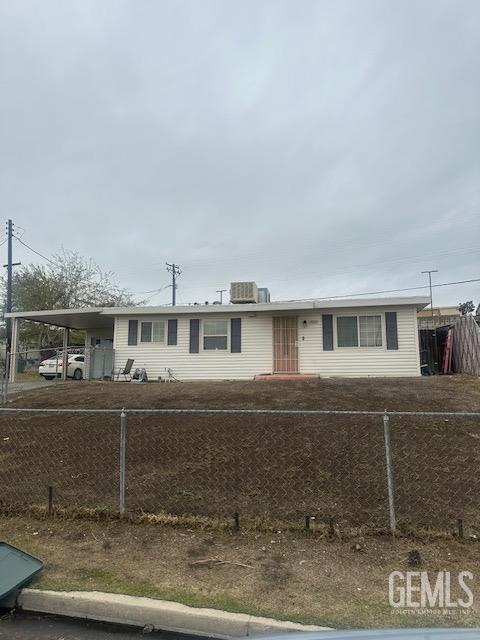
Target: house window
(215, 335)
(347, 331)
(152, 331)
(370, 331)
(359, 331)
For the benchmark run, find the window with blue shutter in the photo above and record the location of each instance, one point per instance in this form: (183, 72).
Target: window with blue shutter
(236, 335)
(172, 332)
(391, 329)
(327, 331)
(194, 335)
(132, 332)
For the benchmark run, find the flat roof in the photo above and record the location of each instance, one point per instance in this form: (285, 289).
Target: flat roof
(419, 302)
(87, 318)
(103, 317)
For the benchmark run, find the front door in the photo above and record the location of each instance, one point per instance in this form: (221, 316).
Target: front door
(285, 345)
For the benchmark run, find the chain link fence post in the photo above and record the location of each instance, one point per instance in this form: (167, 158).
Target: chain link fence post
(389, 472)
(123, 438)
(5, 374)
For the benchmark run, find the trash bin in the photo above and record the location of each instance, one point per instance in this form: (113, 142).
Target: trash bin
(17, 568)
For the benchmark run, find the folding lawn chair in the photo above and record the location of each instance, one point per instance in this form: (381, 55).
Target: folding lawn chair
(124, 372)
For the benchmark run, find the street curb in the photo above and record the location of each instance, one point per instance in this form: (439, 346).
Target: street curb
(160, 614)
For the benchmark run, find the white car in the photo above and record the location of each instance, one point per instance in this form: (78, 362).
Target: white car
(76, 367)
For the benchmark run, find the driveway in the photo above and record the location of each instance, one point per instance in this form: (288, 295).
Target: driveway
(19, 387)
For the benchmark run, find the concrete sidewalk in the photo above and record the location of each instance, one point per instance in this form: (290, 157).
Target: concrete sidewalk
(153, 614)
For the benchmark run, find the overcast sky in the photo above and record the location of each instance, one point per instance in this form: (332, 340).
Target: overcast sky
(319, 148)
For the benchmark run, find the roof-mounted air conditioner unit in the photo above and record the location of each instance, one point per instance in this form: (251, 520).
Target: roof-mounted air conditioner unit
(243, 292)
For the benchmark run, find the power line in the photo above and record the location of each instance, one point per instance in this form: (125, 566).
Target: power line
(154, 292)
(380, 240)
(373, 293)
(446, 284)
(175, 271)
(141, 293)
(366, 293)
(296, 268)
(34, 250)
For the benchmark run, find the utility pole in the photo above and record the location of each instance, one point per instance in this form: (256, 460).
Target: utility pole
(221, 292)
(435, 345)
(10, 264)
(430, 285)
(175, 271)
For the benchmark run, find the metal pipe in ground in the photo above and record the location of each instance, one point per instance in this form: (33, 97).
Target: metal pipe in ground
(389, 471)
(123, 440)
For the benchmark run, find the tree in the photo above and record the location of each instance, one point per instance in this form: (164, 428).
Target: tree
(466, 307)
(68, 281)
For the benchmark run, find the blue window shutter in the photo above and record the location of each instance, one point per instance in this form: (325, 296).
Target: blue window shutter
(236, 335)
(132, 331)
(391, 329)
(172, 332)
(194, 335)
(327, 331)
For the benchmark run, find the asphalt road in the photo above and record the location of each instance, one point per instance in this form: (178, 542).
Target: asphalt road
(32, 627)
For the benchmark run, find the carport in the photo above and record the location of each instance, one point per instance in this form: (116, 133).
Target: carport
(99, 330)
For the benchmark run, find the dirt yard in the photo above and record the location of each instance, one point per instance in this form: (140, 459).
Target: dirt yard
(278, 467)
(447, 393)
(297, 577)
(268, 469)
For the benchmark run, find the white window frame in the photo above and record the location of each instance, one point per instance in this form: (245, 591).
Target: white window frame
(382, 347)
(152, 341)
(227, 348)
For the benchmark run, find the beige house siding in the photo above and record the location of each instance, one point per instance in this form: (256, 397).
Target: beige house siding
(257, 353)
(360, 362)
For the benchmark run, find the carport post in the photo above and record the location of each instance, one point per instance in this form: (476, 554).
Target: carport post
(389, 471)
(57, 355)
(123, 439)
(66, 335)
(11, 356)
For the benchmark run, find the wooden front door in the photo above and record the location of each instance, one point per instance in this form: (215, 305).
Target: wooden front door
(285, 345)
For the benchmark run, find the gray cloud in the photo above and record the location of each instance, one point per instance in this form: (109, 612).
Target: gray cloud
(319, 148)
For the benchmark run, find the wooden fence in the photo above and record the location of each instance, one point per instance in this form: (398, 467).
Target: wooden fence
(466, 346)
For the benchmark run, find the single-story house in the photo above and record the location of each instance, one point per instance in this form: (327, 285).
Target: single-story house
(348, 337)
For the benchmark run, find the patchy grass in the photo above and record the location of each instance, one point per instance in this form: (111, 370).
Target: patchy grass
(303, 578)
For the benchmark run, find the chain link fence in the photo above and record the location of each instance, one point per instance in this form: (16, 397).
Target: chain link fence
(373, 469)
